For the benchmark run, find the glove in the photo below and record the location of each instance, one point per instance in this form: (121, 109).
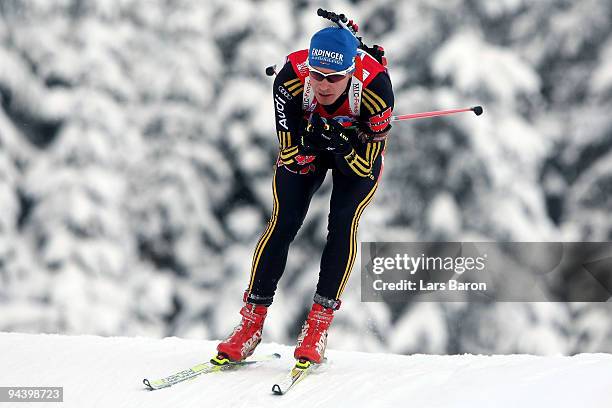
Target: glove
(310, 143)
(366, 135)
(310, 135)
(325, 134)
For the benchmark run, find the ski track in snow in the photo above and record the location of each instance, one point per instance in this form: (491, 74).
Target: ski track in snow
(108, 372)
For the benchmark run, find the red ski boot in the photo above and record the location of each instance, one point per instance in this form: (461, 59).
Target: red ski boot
(247, 335)
(313, 339)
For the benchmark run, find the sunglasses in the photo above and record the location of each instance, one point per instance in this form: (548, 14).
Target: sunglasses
(332, 77)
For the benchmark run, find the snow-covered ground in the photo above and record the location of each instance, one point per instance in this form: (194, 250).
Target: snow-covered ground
(108, 372)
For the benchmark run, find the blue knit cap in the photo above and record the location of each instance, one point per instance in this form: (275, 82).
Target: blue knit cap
(332, 47)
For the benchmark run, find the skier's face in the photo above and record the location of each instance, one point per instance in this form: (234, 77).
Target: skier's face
(326, 91)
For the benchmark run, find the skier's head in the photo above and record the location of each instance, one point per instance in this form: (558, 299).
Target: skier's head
(334, 48)
(331, 60)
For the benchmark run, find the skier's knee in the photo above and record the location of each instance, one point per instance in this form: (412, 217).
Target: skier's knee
(339, 220)
(288, 227)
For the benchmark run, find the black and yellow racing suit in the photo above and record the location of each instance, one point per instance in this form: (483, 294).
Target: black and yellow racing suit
(355, 179)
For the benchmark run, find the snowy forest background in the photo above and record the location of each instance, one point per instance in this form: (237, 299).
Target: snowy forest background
(137, 144)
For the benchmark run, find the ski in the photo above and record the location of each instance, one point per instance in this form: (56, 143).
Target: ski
(214, 365)
(301, 369)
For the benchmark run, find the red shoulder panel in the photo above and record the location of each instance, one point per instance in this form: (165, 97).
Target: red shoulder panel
(298, 60)
(371, 67)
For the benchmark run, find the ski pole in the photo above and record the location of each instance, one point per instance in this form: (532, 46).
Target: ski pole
(271, 70)
(476, 109)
